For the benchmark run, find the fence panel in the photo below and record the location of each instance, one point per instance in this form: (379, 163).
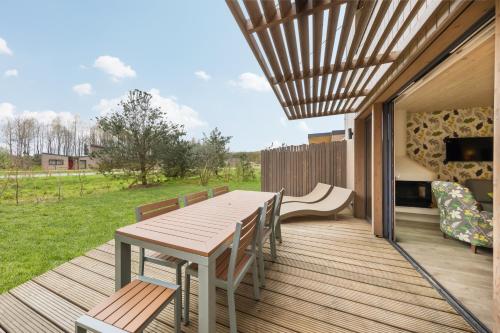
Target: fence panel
(299, 168)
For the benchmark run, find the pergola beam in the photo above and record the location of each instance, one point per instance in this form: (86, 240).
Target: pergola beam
(310, 7)
(323, 99)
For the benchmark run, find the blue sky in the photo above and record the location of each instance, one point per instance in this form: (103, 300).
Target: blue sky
(81, 57)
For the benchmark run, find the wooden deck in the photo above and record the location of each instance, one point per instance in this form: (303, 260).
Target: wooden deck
(330, 276)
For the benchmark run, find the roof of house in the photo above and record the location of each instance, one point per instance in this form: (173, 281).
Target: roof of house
(334, 132)
(336, 56)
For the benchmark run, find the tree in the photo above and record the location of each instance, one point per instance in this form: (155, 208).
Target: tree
(177, 157)
(244, 170)
(135, 136)
(219, 147)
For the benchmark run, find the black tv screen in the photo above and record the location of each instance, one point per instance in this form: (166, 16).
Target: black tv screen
(469, 149)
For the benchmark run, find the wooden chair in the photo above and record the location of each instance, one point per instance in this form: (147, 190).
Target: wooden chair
(132, 308)
(220, 190)
(277, 211)
(191, 199)
(148, 211)
(266, 231)
(232, 266)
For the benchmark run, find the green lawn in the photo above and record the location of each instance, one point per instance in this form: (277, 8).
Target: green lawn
(43, 232)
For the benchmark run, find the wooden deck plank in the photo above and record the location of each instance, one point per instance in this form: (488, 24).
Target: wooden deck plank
(61, 312)
(326, 279)
(15, 316)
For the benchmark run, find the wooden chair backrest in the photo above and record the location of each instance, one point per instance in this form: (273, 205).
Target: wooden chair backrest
(245, 235)
(193, 198)
(220, 190)
(148, 211)
(279, 200)
(268, 218)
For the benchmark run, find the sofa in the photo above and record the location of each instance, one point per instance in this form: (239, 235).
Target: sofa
(481, 188)
(460, 217)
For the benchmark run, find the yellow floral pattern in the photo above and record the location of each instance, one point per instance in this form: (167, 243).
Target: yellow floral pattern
(426, 132)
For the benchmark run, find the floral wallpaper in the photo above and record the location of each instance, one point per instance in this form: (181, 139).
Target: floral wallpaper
(427, 130)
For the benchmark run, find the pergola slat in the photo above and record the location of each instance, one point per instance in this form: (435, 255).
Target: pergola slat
(344, 35)
(303, 27)
(317, 35)
(333, 17)
(285, 6)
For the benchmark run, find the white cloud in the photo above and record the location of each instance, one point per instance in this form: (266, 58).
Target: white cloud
(114, 67)
(83, 89)
(4, 49)
(202, 75)
(303, 126)
(48, 116)
(284, 121)
(176, 113)
(11, 72)
(7, 111)
(252, 81)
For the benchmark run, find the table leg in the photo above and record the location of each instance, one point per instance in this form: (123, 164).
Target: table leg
(123, 258)
(206, 298)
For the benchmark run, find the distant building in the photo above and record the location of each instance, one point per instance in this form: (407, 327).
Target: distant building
(327, 137)
(65, 162)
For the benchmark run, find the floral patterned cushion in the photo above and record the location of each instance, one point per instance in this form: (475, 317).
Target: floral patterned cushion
(460, 216)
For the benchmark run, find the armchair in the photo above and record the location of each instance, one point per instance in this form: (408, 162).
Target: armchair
(460, 217)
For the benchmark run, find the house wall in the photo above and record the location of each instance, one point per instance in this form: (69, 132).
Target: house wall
(425, 134)
(47, 158)
(349, 123)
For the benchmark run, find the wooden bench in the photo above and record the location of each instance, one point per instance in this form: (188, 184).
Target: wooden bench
(132, 308)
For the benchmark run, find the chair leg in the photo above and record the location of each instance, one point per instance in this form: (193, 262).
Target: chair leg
(444, 236)
(255, 276)
(262, 274)
(187, 288)
(232, 310)
(142, 253)
(178, 279)
(278, 231)
(473, 248)
(272, 243)
(178, 310)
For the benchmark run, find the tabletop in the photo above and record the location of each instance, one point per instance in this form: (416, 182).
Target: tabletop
(200, 228)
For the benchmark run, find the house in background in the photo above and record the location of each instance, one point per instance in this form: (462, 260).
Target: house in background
(64, 162)
(336, 135)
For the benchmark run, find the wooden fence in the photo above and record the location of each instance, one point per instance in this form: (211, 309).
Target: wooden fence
(299, 168)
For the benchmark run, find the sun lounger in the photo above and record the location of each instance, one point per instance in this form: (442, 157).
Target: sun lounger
(338, 199)
(318, 193)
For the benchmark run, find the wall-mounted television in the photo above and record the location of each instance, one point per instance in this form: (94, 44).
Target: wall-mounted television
(469, 149)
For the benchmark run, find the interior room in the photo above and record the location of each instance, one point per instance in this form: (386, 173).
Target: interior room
(443, 150)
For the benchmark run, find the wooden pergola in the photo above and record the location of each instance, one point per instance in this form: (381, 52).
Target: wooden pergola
(328, 57)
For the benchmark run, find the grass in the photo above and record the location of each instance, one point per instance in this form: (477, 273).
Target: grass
(43, 232)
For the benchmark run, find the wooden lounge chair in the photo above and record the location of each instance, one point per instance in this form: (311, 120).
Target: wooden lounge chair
(132, 308)
(148, 211)
(220, 190)
(191, 199)
(338, 199)
(318, 193)
(232, 266)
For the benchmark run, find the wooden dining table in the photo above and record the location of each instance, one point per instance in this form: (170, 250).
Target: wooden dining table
(198, 233)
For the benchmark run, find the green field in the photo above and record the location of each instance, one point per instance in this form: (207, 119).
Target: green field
(47, 229)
